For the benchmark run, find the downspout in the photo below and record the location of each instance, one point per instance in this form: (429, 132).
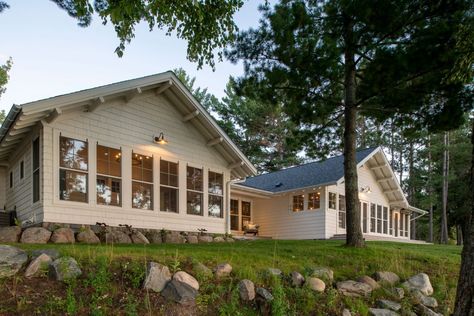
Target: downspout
(227, 215)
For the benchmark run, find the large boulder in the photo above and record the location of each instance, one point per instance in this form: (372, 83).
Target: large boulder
(246, 290)
(219, 239)
(223, 270)
(156, 277)
(187, 278)
(64, 268)
(205, 239)
(154, 237)
(174, 238)
(369, 281)
(38, 266)
(386, 304)
(51, 252)
(10, 234)
(316, 284)
(423, 299)
(12, 260)
(387, 277)
(297, 279)
(87, 236)
(381, 312)
(353, 288)
(63, 236)
(35, 235)
(264, 294)
(323, 273)
(115, 236)
(138, 238)
(179, 292)
(419, 282)
(192, 239)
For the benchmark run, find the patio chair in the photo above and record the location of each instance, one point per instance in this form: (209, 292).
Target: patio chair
(250, 228)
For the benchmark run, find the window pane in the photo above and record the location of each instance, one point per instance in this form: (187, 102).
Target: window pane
(215, 206)
(332, 200)
(36, 154)
(342, 220)
(246, 208)
(385, 220)
(72, 186)
(194, 178)
(36, 186)
(194, 203)
(372, 218)
(342, 203)
(169, 199)
(216, 183)
(73, 153)
(142, 194)
(109, 191)
(379, 218)
(109, 161)
(314, 200)
(142, 168)
(234, 207)
(298, 203)
(234, 222)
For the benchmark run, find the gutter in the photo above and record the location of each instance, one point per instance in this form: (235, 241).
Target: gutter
(7, 124)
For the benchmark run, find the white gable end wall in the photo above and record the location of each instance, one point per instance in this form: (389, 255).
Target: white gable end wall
(131, 126)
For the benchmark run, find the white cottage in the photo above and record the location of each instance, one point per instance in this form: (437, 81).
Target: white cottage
(144, 152)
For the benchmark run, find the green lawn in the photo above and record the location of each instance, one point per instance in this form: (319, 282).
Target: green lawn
(250, 258)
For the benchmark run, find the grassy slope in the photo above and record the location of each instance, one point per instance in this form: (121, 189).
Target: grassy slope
(441, 263)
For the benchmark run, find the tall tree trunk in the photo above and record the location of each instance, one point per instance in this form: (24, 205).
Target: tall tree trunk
(392, 146)
(411, 186)
(444, 216)
(354, 236)
(400, 162)
(362, 132)
(459, 235)
(465, 291)
(430, 191)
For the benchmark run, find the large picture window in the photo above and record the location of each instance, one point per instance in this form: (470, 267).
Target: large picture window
(73, 169)
(169, 186)
(36, 170)
(109, 176)
(216, 194)
(142, 182)
(298, 203)
(194, 183)
(314, 200)
(342, 211)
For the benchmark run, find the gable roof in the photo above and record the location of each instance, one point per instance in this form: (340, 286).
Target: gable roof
(330, 172)
(22, 118)
(312, 174)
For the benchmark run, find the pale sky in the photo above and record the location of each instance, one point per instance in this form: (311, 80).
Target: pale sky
(52, 55)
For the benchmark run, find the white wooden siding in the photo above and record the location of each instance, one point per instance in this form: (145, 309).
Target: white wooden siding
(3, 187)
(21, 194)
(278, 221)
(132, 126)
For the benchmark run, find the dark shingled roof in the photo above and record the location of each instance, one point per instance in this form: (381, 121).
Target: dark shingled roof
(303, 176)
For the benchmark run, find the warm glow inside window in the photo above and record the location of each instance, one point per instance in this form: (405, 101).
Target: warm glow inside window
(109, 176)
(332, 200)
(314, 200)
(298, 203)
(142, 181)
(73, 169)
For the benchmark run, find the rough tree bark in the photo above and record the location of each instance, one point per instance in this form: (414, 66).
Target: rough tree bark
(354, 236)
(444, 216)
(465, 291)
(430, 191)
